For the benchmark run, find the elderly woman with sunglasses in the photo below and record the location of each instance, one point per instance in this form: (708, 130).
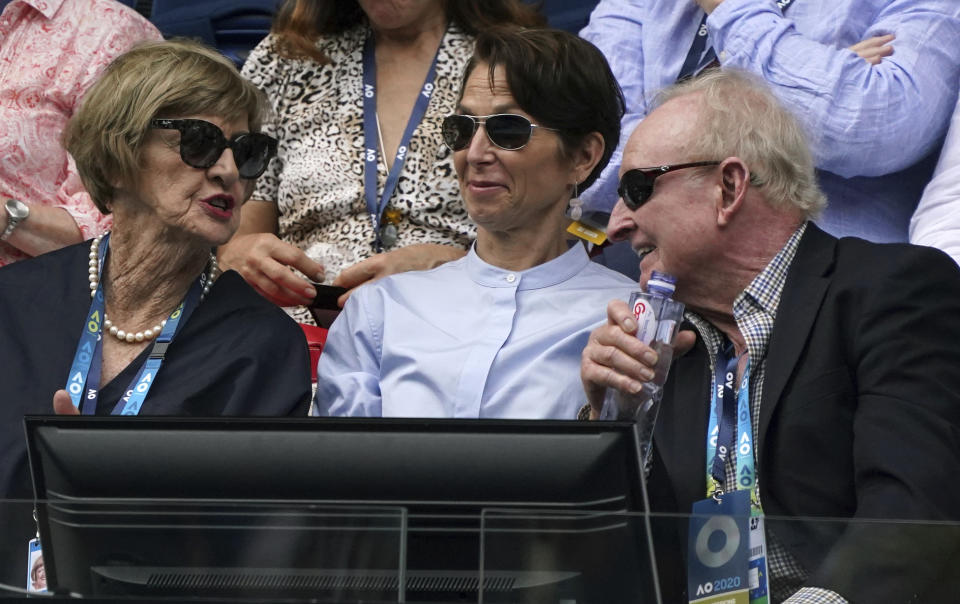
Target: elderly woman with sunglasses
(141, 321)
(499, 332)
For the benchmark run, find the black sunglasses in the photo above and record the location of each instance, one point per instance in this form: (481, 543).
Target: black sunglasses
(636, 186)
(202, 144)
(505, 130)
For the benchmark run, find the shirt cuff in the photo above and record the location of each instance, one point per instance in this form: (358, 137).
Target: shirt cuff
(815, 595)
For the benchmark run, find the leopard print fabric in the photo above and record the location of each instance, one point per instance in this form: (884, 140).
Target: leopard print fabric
(316, 180)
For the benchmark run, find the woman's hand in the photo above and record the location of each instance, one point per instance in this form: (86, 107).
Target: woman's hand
(615, 358)
(417, 257)
(265, 261)
(873, 50)
(63, 405)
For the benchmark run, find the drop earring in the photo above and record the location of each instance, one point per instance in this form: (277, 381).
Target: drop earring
(575, 207)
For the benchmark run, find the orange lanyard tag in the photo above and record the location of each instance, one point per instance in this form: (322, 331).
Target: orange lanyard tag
(593, 235)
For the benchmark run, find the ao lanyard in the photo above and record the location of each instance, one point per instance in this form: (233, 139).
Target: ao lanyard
(730, 426)
(371, 137)
(83, 383)
(700, 54)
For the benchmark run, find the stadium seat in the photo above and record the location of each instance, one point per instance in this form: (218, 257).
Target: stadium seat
(316, 338)
(232, 26)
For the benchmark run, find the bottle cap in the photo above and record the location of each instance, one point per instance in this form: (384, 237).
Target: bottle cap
(662, 284)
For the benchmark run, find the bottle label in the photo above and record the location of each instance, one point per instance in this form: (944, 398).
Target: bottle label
(646, 316)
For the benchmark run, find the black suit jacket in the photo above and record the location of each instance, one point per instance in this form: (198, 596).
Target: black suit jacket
(860, 417)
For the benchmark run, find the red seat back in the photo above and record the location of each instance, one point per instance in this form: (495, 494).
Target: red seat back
(316, 338)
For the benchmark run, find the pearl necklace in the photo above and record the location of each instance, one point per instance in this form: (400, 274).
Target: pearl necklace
(213, 272)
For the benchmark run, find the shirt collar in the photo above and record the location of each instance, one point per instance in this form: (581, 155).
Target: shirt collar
(766, 287)
(47, 8)
(755, 308)
(550, 273)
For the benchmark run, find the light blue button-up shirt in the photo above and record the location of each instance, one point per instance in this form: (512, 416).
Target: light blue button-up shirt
(876, 130)
(467, 340)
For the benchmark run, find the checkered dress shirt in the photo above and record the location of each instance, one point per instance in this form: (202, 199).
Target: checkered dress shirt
(754, 311)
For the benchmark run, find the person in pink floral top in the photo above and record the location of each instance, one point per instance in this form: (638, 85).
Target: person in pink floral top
(51, 51)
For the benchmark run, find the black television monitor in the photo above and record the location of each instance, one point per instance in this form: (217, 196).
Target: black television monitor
(341, 509)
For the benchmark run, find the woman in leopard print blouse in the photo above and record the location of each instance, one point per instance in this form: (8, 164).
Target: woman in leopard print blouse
(308, 211)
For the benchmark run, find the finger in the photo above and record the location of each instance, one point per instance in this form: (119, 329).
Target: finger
(284, 254)
(873, 50)
(342, 300)
(271, 285)
(872, 42)
(262, 259)
(279, 296)
(683, 342)
(617, 337)
(626, 355)
(597, 378)
(619, 313)
(278, 280)
(883, 51)
(880, 51)
(359, 273)
(63, 405)
(307, 265)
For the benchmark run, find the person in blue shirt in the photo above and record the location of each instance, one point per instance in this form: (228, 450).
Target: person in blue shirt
(876, 127)
(499, 332)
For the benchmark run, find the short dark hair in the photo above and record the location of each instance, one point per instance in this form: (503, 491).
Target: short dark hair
(300, 22)
(561, 80)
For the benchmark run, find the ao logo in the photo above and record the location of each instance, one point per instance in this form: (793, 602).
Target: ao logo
(703, 30)
(428, 89)
(368, 90)
(722, 524)
(371, 155)
(401, 152)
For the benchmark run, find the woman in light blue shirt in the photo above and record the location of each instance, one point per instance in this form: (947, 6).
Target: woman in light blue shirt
(499, 332)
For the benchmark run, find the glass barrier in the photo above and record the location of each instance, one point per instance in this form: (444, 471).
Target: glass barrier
(621, 557)
(235, 549)
(565, 556)
(324, 552)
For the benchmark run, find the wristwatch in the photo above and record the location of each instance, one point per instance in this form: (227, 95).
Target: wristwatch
(17, 212)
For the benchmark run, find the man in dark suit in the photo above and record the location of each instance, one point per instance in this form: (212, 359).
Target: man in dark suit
(851, 350)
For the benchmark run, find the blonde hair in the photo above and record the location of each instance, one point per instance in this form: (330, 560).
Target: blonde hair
(741, 117)
(156, 79)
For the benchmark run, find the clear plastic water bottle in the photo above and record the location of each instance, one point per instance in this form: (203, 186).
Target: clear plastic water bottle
(658, 316)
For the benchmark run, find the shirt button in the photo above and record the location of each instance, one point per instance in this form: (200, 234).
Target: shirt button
(723, 55)
(511, 278)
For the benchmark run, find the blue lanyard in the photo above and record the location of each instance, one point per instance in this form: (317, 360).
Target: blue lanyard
(84, 379)
(726, 411)
(371, 137)
(700, 54)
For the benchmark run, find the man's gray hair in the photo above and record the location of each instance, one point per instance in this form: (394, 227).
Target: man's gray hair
(741, 117)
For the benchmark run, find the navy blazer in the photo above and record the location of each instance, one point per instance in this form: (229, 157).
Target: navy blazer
(859, 418)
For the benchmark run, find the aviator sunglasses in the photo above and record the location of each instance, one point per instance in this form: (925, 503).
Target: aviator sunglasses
(505, 130)
(202, 144)
(636, 186)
